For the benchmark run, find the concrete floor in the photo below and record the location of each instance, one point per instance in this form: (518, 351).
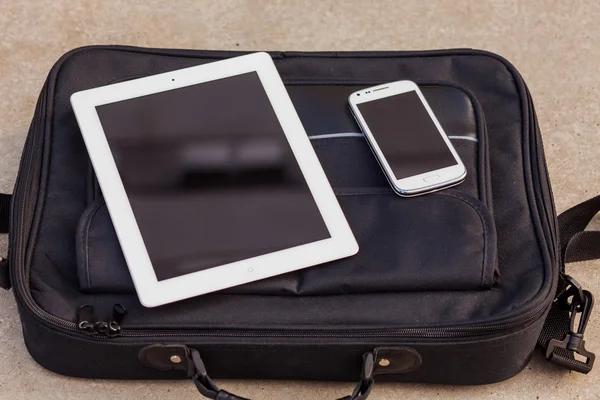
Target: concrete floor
(553, 43)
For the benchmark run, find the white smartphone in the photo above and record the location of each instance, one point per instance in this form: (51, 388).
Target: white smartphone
(407, 139)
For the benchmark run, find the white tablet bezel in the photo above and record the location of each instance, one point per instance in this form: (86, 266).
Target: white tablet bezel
(152, 292)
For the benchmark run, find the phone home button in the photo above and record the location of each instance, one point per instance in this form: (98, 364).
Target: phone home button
(432, 178)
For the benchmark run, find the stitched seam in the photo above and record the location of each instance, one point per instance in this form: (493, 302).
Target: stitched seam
(86, 243)
(483, 227)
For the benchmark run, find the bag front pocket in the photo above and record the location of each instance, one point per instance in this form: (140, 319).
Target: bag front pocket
(101, 266)
(443, 241)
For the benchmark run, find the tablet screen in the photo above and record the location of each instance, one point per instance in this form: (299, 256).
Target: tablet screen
(210, 175)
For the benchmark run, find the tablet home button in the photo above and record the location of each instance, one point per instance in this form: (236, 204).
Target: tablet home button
(432, 178)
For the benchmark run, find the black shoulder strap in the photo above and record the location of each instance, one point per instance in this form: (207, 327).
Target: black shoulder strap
(560, 339)
(577, 244)
(4, 218)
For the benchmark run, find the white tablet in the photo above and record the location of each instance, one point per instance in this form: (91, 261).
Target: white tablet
(210, 178)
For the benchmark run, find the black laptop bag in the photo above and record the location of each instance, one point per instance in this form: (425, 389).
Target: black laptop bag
(453, 287)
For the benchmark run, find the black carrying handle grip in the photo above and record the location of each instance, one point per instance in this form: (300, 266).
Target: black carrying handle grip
(209, 389)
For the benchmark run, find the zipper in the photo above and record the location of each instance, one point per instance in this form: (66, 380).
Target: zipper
(88, 324)
(425, 333)
(86, 319)
(101, 330)
(553, 227)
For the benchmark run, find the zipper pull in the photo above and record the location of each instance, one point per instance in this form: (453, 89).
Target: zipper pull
(114, 326)
(87, 322)
(85, 319)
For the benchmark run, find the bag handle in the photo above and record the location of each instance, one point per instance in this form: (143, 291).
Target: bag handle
(209, 389)
(178, 357)
(4, 225)
(560, 339)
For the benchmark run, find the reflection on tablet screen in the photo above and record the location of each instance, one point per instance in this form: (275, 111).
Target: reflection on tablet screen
(210, 175)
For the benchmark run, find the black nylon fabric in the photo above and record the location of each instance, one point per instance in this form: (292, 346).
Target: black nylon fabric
(522, 247)
(583, 246)
(556, 327)
(457, 362)
(386, 264)
(576, 244)
(508, 185)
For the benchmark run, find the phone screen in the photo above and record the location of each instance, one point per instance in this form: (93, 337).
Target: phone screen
(406, 135)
